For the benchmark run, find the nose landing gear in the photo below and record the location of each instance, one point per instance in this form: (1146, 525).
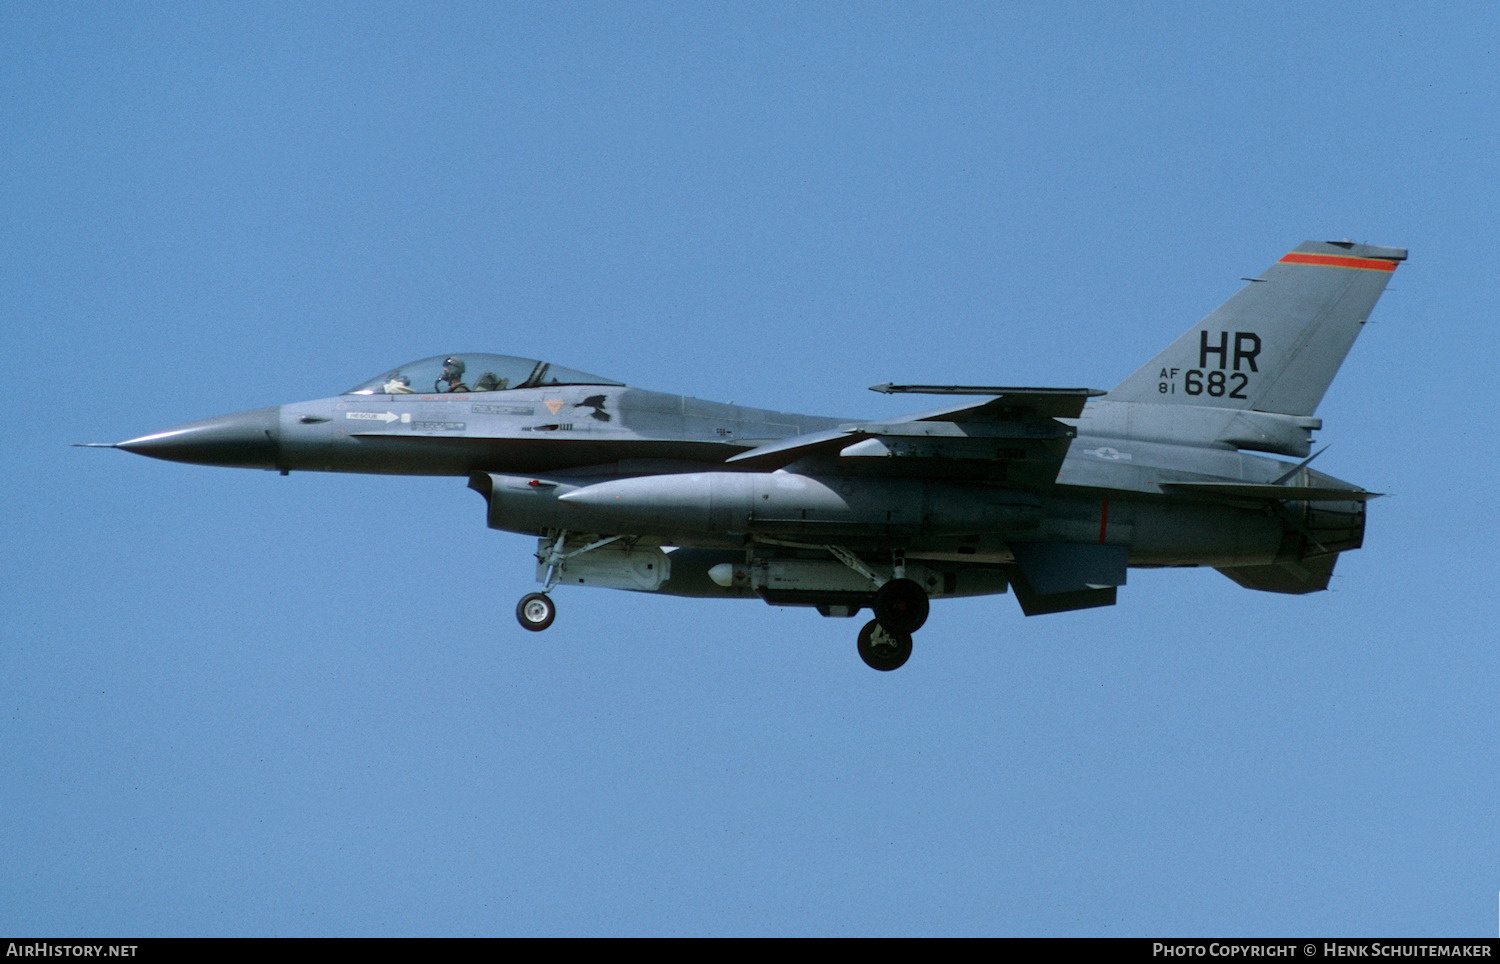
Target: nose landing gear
(536, 611)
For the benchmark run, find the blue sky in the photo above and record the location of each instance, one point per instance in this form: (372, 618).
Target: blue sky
(235, 703)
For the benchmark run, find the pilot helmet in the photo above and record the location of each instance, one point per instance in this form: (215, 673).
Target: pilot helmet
(453, 364)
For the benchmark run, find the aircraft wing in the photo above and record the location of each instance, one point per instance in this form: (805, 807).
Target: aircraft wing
(1047, 402)
(1013, 435)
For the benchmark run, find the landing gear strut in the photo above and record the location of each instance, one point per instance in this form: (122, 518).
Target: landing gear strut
(882, 649)
(536, 611)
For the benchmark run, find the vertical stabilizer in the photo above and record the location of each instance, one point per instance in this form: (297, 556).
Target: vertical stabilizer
(1276, 345)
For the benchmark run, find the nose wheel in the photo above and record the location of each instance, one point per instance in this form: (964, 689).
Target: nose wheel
(882, 649)
(536, 611)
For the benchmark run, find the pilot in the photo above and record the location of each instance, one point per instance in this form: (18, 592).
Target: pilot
(397, 384)
(453, 374)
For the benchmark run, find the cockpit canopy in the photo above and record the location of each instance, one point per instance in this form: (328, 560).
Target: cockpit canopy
(472, 372)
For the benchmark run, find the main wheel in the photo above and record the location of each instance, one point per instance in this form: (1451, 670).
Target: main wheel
(536, 611)
(882, 649)
(901, 606)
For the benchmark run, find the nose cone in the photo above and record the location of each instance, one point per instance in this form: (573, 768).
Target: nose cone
(248, 440)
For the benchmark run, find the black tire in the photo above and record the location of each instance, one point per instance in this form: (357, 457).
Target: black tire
(882, 649)
(536, 611)
(901, 606)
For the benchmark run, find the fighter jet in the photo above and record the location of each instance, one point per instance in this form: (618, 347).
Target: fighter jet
(1051, 493)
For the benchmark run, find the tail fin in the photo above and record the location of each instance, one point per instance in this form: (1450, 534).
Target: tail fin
(1276, 345)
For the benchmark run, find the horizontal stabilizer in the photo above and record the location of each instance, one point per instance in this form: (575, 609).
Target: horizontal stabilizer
(1292, 578)
(1284, 493)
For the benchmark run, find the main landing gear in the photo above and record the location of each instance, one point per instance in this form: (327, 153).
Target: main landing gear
(900, 607)
(882, 649)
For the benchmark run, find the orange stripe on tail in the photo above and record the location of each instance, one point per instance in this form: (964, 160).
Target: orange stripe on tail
(1334, 261)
